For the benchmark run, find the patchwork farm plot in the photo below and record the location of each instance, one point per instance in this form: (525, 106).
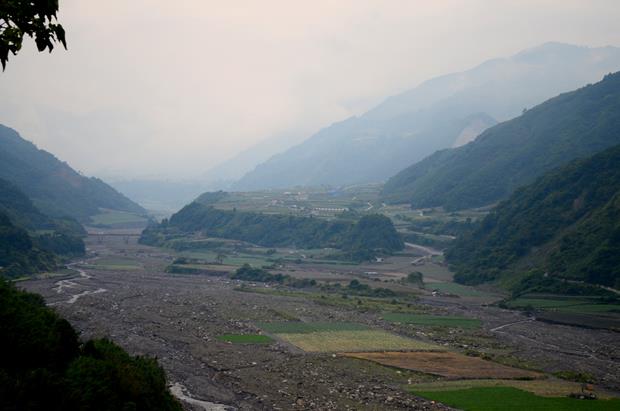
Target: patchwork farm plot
(445, 364)
(369, 340)
(339, 337)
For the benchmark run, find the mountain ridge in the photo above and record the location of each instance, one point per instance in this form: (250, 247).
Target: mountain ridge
(571, 125)
(53, 186)
(407, 127)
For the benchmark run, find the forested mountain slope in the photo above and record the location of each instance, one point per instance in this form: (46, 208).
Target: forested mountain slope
(22, 212)
(32, 241)
(514, 153)
(443, 112)
(54, 187)
(18, 254)
(566, 225)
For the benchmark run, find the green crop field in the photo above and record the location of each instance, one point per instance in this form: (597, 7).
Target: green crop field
(457, 289)
(236, 259)
(245, 338)
(541, 387)
(354, 341)
(122, 264)
(512, 399)
(565, 304)
(298, 327)
(433, 320)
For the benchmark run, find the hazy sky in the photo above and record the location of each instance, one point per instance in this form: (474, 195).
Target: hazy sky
(161, 87)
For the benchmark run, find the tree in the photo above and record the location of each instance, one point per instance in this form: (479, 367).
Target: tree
(35, 18)
(219, 258)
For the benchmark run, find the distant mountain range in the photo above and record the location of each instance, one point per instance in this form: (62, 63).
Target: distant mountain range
(444, 112)
(53, 186)
(164, 196)
(564, 226)
(514, 153)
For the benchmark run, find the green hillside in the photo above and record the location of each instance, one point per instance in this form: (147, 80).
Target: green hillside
(514, 153)
(61, 236)
(566, 225)
(18, 254)
(54, 187)
(371, 232)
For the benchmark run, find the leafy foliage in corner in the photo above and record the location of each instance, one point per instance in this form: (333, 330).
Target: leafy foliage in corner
(34, 18)
(566, 224)
(514, 153)
(44, 367)
(371, 233)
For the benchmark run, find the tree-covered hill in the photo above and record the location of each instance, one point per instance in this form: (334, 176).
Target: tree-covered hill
(372, 232)
(23, 213)
(54, 187)
(18, 253)
(564, 226)
(514, 153)
(59, 236)
(43, 365)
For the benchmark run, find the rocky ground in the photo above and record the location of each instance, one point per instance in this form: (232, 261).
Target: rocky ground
(177, 319)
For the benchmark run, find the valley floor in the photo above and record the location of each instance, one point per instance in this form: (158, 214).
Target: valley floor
(178, 319)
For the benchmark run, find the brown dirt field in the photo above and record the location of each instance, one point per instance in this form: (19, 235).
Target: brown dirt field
(446, 364)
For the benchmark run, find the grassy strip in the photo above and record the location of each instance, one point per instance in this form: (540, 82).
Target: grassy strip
(458, 289)
(298, 327)
(433, 320)
(576, 305)
(245, 339)
(513, 399)
(117, 217)
(359, 303)
(544, 388)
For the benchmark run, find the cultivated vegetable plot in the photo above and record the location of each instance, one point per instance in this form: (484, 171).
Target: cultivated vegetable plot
(446, 364)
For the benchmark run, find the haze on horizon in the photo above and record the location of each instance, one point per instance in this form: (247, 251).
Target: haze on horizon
(155, 88)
